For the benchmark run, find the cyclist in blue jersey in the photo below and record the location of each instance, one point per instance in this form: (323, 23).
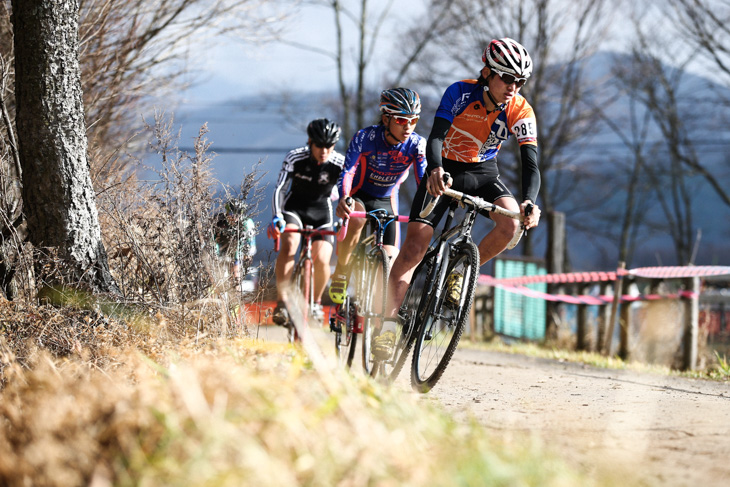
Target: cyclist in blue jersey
(303, 196)
(474, 118)
(377, 161)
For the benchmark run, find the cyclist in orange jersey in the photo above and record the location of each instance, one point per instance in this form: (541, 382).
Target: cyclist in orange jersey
(473, 119)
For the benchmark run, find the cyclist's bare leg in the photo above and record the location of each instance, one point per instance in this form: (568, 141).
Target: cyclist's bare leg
(392, 251)
(418, 236)
(285, 260)
(321, 254)
(344, 248)
(501, 235)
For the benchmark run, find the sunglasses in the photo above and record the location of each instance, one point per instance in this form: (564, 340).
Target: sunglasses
(508, 79)
(323, 146)
(405, 120)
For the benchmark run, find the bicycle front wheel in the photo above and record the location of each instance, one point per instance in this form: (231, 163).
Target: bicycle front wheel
(446, 316)
(411, 315)
(373, 293)
(345, 338)
(303, 281)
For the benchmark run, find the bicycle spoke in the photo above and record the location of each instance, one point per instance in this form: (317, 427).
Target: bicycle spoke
(447, 316)
(376, 288)
(410, 318)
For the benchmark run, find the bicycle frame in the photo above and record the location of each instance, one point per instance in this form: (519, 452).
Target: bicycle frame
(304, 268)
(355, 315)
(380, 219)
(437, 315)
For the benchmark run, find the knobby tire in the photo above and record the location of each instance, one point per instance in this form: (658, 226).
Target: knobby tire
(411, 314)
(374, 294)
(439, 334)
(345, 339)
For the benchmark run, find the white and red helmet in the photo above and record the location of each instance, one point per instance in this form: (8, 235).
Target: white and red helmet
(508, 56)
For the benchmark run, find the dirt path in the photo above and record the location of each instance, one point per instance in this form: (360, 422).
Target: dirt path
(664, 431)
(668, 431)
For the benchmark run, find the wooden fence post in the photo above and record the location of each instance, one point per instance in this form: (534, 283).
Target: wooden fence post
(617, 291)
(583, 338)
(625, 324)
(555, 265)
(691, 322)
(603, 318)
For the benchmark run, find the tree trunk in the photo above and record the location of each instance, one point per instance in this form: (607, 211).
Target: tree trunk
(59, 200)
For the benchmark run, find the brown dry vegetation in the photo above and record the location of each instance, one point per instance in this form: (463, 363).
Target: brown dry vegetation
(94, 401)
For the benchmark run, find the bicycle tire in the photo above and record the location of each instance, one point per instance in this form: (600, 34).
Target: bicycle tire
(302, 281)
(375, 293)
(439, 335)
(410, 316)
(345, 339)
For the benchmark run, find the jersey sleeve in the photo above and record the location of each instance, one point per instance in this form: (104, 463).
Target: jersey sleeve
(282, 184)
(419, 166)
(352, 158)
(522, 123)
(449, 102)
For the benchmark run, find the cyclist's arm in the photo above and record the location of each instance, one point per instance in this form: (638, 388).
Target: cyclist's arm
(530, 172)
(434, 146)
(530, 185)
(435, 143)
(280, 189)
(419, 166)
(352, 157)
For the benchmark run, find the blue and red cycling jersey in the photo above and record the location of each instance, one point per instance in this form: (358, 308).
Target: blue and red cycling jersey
(476, 136)
(375, 167)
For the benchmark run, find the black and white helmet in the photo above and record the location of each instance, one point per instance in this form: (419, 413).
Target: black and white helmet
(508, 56)
(323, 132)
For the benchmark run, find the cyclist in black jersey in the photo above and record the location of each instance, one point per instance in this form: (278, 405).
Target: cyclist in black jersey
(473, 119)
(303, 196)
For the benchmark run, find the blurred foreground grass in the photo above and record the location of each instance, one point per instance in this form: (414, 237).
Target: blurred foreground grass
(126, 407)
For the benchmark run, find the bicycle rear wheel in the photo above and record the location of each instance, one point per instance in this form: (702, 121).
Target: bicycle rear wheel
(446, 315)
(373, 293)
(411, 314)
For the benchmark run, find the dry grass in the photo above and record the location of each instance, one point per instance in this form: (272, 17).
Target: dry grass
(97, 403)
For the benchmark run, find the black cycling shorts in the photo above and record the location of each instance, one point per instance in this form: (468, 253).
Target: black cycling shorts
(476, 179)
(318, 216)
(392, 231)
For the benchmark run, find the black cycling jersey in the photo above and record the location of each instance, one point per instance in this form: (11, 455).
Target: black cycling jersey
(304, 184)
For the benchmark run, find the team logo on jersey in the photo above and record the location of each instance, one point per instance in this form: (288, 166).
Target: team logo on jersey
(324, 178)
(491, 144)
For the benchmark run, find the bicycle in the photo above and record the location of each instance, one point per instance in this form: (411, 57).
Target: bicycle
(438, 300)
(364, 304)
(303, 275)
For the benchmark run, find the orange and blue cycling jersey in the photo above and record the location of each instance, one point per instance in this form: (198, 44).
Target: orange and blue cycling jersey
(475, 135)
(376, 168)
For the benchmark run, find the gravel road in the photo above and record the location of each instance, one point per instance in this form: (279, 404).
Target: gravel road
(665, 431)
(659, 430)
